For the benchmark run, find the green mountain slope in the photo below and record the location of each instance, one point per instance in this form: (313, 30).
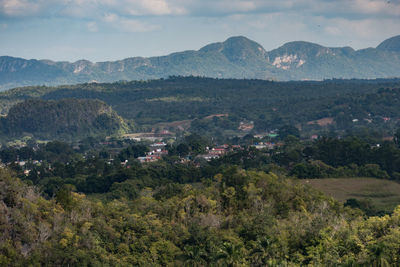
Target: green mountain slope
(391, 44)
(236, 218)
(62, 119)
(237, 57)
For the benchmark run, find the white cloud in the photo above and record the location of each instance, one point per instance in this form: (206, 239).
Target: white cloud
(372, 7)
(149, 7)
(236, 6)
(124, 7)
(131, 25)
(328, 8)
(19, 7)
(92, 27)
(362, 29)
(341, 18)
(128, 25)
(88, 8)
(110, 18)
(333, 30)
(95, 8)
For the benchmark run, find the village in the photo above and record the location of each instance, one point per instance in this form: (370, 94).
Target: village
(161, 139)
(157, 146)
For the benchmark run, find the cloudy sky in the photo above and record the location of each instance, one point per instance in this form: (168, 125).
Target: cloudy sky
(101, 30)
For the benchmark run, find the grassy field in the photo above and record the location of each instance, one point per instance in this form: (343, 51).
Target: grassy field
(384, 194)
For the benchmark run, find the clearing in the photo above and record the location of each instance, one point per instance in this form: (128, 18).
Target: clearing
(384, 194)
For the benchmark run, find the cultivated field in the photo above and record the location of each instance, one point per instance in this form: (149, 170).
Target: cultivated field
(384, 194)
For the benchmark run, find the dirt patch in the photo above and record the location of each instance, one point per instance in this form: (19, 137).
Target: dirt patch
(322, 122)
(175, 125)
(216, 115)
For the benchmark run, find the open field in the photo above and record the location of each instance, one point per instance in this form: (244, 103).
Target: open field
(384, 194)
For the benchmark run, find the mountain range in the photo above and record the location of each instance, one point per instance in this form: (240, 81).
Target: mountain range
(237, 57)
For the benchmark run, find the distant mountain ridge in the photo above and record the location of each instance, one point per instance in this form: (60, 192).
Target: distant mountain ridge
(237, 57)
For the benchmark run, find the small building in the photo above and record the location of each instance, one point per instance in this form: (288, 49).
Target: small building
(217, 151)
(149, 158)
(158, 144)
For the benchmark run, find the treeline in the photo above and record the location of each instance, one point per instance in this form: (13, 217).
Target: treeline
(351, 104)
(323, 158)
(350, 157)
(107, 171)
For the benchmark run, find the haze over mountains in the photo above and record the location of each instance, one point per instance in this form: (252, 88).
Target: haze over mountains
(237, 57)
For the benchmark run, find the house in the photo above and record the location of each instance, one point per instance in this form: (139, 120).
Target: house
(149, 158)
(153, 155)
(217, 151)
(268, 145)
(158, 144)
(208, 157)
(165, 132)
(158, 152)
(20, 163)
(260, 146)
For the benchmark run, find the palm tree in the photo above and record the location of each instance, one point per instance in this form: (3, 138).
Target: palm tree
(232, 255)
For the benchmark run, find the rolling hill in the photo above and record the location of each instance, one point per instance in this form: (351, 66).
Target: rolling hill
(343, 104)
(66, 119)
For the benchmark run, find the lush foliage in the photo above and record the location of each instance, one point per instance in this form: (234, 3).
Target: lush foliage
(359, 106)
(93, 203)
(66, 119)
(237, 218)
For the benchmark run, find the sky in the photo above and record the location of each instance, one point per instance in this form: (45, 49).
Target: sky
(102, 30)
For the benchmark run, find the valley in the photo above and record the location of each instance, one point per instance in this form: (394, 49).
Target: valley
(229, 155)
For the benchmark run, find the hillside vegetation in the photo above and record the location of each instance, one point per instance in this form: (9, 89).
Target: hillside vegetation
(99, 205)
(65, 119)
(347, 104)
(236, 219)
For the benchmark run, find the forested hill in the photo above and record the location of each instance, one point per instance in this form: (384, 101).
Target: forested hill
(66, 119)
(237, 57)
(268, 104)
(236, 218)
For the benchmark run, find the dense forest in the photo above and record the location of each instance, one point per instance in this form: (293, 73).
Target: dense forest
(67, 118)
(313, 107)
(90, 209)
(227, 182)
(100, 168)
